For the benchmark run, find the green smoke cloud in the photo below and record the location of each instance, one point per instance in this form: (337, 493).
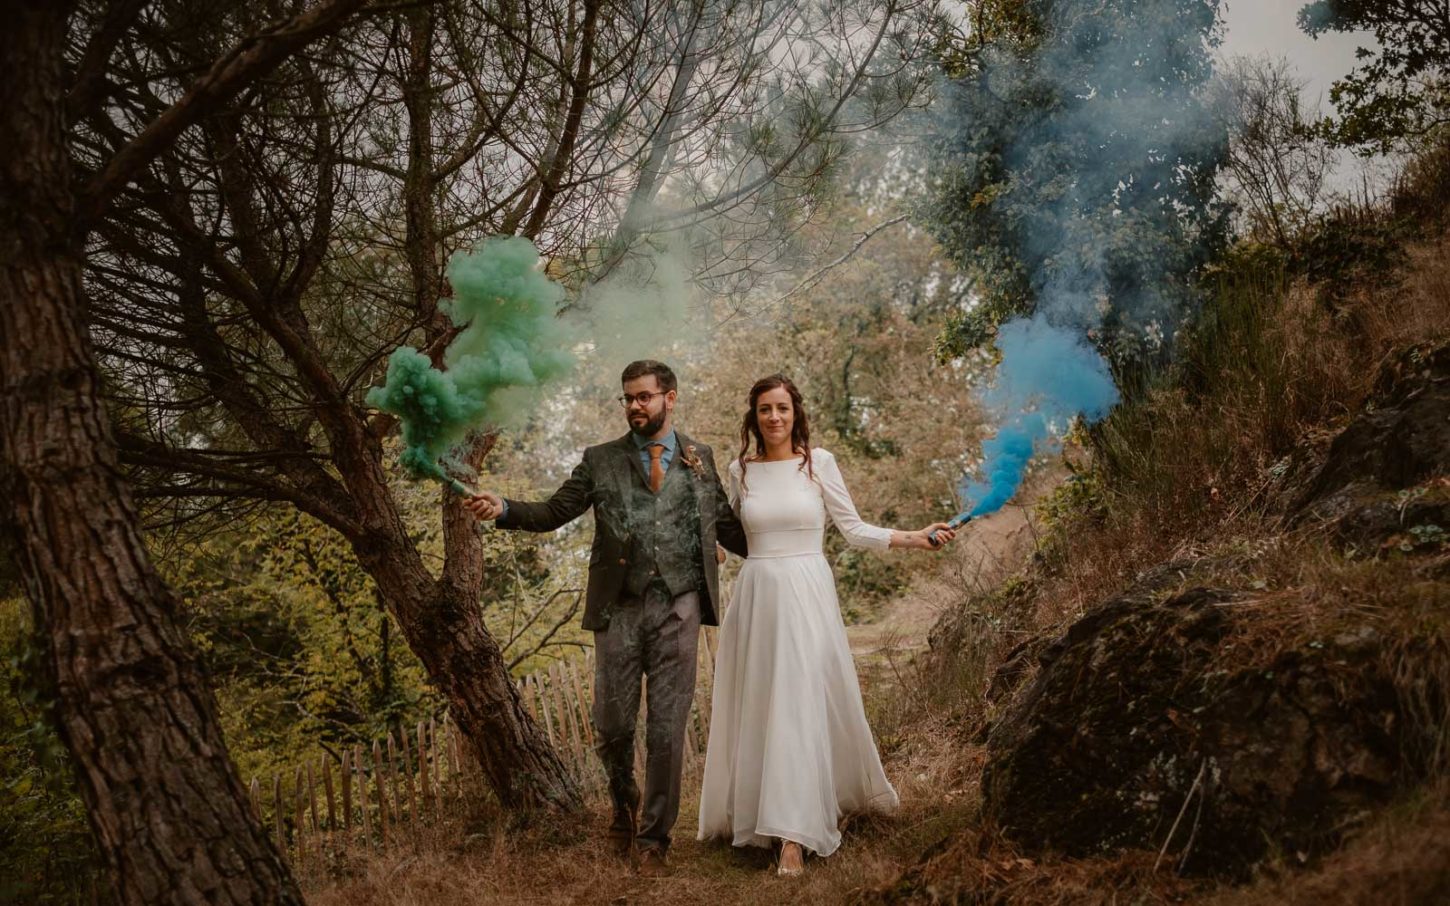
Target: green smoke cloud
(645, 309)
(511, 344)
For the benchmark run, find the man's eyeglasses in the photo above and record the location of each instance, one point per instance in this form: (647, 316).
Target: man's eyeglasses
(641, 398)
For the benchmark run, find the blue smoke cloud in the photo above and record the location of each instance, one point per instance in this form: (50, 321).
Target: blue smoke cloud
(1077, 188)
(1048, 376)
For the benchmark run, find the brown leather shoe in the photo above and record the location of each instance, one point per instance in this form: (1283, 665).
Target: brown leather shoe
(621, 845)
(653, 862)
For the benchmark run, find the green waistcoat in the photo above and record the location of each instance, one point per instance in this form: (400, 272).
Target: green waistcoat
(663, 535)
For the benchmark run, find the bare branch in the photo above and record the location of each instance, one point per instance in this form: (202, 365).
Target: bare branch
(252, 58)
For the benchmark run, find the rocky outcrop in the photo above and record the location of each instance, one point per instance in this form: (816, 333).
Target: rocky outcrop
(1135, 735)
(1383, 482)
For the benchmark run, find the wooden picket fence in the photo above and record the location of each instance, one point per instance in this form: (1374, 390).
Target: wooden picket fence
(377, 796)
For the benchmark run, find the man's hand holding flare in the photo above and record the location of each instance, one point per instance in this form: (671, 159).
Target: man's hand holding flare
(484, 506)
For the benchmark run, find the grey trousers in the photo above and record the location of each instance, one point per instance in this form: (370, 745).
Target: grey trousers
(656, 638)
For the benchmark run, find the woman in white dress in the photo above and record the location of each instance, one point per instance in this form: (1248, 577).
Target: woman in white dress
(790, 751)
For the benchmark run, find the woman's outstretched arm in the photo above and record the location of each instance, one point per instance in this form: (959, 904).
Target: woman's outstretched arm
(859, 533)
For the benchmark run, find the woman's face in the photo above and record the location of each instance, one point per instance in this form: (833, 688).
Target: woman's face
(775, 414)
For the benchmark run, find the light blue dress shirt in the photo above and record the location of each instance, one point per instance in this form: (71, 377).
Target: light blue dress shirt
(643, 443)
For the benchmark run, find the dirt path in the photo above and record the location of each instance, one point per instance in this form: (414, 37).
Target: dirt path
(985, 552)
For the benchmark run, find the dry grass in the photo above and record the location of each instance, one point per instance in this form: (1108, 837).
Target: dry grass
(916, 718)
(1199, 481)
(1422, 312)
(483, 859)
(937, 848)
(1278, 374)
(1402, 858)
(979, 866)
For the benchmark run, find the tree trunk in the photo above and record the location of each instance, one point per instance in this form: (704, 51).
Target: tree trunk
(440, 618)
(132, 705)
(443, 625)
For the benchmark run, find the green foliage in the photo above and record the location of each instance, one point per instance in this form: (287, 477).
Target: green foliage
(1076, 167)
(1270, 356)
(1232, 335)
(46, 852)
(300, 653)
(1427, 535)
(1348, 247)
(865, 579)
(1078, 503)
(969, 331)
(1079, 496)
(1231, 351)
(300, 649)
(1399, 90)
(1000, 23)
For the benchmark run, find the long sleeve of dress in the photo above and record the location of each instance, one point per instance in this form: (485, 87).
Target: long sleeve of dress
(732, 492)
(841, 510)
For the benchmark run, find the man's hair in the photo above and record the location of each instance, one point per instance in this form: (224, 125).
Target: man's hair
(646, 367)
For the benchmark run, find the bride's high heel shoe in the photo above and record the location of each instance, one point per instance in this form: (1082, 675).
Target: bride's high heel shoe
(790, 860)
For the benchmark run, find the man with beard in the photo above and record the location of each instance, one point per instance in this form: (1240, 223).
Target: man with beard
(659, 510)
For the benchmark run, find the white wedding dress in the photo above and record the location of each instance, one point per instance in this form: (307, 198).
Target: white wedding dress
(790, 751)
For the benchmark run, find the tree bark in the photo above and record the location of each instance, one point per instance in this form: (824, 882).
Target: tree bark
(132, 706)
(443, 624)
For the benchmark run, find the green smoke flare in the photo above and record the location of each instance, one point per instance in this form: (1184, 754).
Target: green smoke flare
(511, 344)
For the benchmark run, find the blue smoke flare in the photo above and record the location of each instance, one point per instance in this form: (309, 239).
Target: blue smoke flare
(1047, 377)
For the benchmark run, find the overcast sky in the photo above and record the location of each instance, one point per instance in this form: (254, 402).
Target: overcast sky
(1270, 27)
(1254, 27)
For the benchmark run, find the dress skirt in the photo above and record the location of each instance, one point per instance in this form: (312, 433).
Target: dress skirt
(790, 751)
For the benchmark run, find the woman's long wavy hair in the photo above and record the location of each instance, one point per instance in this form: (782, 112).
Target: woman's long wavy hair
(800, 430)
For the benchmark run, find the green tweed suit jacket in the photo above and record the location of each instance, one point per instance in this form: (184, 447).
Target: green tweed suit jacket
(601, 481)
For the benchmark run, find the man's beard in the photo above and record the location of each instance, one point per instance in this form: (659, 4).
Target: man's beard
(651, 426)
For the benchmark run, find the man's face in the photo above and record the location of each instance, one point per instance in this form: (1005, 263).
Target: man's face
(647, 408)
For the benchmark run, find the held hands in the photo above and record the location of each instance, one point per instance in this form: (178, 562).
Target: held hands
(484, 506)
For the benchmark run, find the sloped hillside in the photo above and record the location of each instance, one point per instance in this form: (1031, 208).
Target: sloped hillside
(1226, 672)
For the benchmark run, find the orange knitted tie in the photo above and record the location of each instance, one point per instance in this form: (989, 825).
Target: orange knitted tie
(656, 469)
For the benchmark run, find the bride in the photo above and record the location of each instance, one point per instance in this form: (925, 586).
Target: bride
(790, 751)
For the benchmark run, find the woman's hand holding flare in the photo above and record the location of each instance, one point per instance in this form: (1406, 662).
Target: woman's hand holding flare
(922, 540)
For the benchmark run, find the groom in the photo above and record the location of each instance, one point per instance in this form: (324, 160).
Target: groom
(658, 511)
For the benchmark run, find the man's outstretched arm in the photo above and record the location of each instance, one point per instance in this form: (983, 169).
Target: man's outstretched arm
(563, 506)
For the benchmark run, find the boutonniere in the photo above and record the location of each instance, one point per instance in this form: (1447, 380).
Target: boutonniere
(692, 459)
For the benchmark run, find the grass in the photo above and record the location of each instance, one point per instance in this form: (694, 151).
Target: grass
(926, 713)
(483, 858)
(1197, 474)
(938, 847)
(1401, 858)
